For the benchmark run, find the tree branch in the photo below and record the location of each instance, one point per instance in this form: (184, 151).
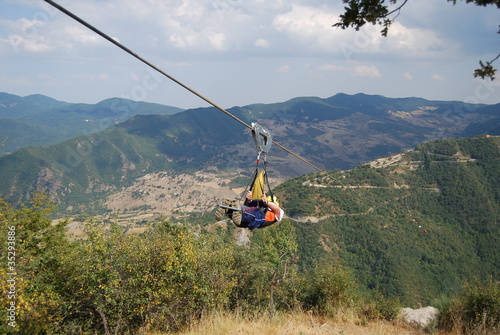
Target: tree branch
(486, 70)
(397, 9)
(359, 12)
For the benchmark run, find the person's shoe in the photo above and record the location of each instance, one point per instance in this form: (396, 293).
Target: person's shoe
(221, 212)
(233, 204)
(236, 217)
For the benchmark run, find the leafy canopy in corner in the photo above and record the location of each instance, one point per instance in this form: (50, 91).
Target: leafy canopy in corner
(359, 12)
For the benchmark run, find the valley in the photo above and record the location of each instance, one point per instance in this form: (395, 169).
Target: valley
(132, 165)
(393, 220)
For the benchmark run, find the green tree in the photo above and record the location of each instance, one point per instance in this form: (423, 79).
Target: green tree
(476, 310)
(377, 12)
(329, 288)
(107, 280)
(266, 277)
(33, 249)
(162, 279)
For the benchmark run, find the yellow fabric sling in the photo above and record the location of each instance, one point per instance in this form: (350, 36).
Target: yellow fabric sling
(258, 186)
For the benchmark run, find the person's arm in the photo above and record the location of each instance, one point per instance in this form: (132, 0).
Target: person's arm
(276, 209)
(248, 198)
(273, 207)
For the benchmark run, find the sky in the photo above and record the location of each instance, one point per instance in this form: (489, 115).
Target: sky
(241, 52)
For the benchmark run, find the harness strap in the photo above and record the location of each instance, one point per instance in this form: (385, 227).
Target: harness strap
(250, 184)
(267, 179)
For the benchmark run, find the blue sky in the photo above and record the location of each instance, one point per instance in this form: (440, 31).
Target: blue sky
(239, 52)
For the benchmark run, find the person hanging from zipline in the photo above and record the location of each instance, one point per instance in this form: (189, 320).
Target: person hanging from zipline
(252, 213)
(257, 210)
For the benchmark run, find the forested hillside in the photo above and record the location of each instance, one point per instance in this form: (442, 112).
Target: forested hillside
(79, 171)
(339, 132)
(414, 225)
(401, 231)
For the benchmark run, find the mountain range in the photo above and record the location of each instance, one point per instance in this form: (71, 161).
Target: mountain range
(408, 200)
(339, 132)
(37, 120)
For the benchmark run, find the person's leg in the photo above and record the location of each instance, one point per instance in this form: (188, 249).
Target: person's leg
(250, 217)
(233, 204)
(241, 217)
(221, 211)
(237, 217)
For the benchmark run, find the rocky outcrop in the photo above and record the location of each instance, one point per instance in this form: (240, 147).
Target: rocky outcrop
(422, 317)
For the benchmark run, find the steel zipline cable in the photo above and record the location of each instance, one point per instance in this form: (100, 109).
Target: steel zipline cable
(127, 50)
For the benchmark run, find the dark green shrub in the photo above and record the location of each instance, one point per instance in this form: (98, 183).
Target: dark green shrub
(380, 308)
(330, 288)
(475, 311)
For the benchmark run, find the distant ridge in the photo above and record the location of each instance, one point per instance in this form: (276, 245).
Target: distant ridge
(339, 132)
(38, 120)
(13, 106)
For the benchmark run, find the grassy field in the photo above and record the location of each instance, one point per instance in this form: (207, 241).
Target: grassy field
(293, 324)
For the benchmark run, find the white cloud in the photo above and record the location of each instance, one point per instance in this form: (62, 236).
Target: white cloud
(228, 25)
(310, 30)
(303, 21)
(23, 36)
(407, 76)
(417, 41)
(19, 43)
(199, 40)
(330, 67)
(436, 77)
(82, 35)
(308, 26)
(16, 81)
(217, 40)
(262, 43)
(188, 8)
(87, 76)
(44, 76)
(402, 43)
(44, 36)
(370, 71)
(283, 69)
(366, 71)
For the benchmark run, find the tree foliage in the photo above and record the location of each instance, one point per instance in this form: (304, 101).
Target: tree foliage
(360, 12)
(37, 252)
(111, 281)
(413, 230)
(367, 255)
(475, 310)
